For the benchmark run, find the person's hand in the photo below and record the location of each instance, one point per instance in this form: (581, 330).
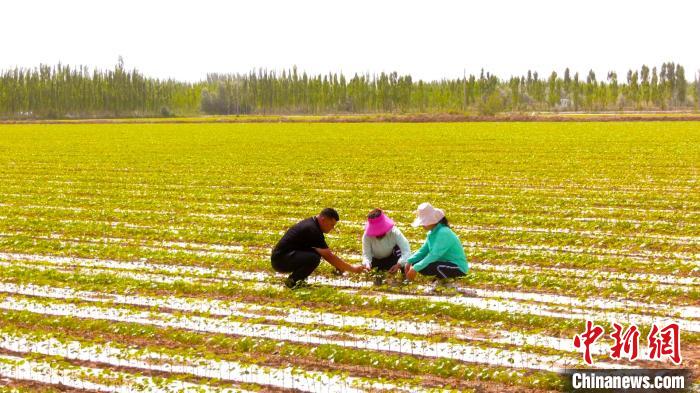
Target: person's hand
(358, 268)
(410, 272)
(394, 269)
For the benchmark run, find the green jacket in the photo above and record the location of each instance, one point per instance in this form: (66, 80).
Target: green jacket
(441, 245)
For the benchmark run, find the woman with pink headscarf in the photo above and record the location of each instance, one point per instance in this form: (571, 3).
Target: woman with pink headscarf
(384, 247)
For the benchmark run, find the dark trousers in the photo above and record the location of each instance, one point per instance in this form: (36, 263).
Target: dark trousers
(300, 263)
(441, 269)
(387, 262)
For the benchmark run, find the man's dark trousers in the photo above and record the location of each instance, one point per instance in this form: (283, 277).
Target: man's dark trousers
(300, 263)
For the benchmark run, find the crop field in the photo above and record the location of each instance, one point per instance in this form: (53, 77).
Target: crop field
(135, 257)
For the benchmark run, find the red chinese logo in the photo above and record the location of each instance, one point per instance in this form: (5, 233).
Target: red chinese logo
(627, 344)
(591, 334)
(664, 342)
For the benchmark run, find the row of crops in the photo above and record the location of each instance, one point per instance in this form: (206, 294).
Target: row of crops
(135, 257)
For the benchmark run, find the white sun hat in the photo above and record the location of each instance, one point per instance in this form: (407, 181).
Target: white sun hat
(427, 215)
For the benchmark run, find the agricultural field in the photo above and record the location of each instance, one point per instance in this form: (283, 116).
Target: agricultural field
(135, 257)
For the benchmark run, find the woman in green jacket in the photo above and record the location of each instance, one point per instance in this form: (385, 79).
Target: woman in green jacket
(442, 255)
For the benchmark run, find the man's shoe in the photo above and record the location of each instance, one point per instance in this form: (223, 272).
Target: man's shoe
(301, 284)
(293, 284)
(290, 283)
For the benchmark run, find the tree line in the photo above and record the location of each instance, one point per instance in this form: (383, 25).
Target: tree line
(62, 92)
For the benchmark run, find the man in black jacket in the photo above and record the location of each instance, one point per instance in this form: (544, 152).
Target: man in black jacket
(300, 250)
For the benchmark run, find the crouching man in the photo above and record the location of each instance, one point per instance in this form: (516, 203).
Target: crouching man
(300, 250)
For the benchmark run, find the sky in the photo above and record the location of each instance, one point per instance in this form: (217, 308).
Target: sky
(430, 39)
